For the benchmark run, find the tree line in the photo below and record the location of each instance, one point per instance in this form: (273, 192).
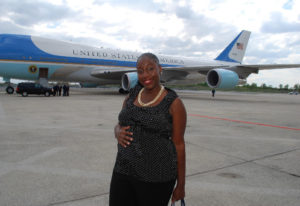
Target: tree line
(244, 88)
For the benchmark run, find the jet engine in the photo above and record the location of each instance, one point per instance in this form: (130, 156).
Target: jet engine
(222, 78)
(129, 80)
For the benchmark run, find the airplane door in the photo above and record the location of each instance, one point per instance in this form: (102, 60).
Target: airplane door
(43, 73)
(43, 76)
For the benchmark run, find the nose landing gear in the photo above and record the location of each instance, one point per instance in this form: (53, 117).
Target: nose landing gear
(9, 89)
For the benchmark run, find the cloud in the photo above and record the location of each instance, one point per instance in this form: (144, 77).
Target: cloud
(278, 24)
(288, 5)
(199, 33)
(29, 13)
(175, 27)
(184, 12)
(145, 5)
(9, 27)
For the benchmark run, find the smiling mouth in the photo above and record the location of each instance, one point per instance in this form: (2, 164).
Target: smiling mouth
(147, 81)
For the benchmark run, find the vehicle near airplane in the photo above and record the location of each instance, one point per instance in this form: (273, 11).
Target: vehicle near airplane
(294, 93)
(26, 88)
(41, 59)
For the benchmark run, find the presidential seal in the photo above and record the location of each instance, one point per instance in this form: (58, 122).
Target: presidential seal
(32, 69)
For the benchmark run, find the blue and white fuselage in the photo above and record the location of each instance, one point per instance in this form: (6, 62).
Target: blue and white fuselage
(66, 61)
(31, 58)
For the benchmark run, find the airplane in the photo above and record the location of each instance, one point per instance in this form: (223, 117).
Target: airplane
(41, 59)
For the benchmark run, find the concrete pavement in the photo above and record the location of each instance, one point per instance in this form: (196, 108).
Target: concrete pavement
(242, 149)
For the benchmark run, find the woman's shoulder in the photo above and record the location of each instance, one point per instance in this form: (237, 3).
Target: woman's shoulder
(135, 90)
(170, 96)
(171, 93)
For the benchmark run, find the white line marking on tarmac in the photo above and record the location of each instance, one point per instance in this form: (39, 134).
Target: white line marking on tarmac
(8, 167)
(285, 192)
(40, 156)
(26, 165)
(67, 172)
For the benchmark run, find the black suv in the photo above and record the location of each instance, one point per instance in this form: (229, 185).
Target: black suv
(33, 88)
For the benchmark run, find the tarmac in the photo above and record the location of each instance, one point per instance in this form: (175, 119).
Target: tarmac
(242, 149)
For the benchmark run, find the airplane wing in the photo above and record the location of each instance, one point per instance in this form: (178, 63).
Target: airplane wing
(199, 69)
(111, 73)
(178, 73)
(169, 73)
(269, 66)
(250, 67)
(243, 70)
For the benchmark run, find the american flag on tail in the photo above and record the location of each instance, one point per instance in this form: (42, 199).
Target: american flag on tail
(240, 46)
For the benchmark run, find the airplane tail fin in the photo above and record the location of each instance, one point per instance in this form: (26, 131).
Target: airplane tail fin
(235, 51)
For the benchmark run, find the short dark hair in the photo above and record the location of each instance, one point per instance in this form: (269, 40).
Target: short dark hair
(150, 56)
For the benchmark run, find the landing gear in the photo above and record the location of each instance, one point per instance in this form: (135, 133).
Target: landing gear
(10, 90)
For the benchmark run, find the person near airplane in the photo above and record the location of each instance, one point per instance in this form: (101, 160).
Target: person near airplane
(151, 148)
(55, 89)
(213, 91)
(66, 89)
(59, 90)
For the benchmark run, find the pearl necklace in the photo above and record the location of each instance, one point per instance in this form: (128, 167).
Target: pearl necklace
(151, 102)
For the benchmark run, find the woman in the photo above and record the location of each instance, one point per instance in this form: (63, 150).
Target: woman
(151, 148)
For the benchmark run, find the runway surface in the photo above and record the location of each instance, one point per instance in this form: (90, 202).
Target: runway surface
(242, 149)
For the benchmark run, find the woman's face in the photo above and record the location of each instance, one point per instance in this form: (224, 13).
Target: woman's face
(148, 73)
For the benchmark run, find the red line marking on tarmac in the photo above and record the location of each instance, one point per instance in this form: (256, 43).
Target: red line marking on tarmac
(240, 121)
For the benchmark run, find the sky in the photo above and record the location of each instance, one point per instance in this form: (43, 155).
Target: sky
(190, 28)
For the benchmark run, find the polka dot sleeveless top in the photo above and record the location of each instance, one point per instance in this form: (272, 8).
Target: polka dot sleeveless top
(151, 156)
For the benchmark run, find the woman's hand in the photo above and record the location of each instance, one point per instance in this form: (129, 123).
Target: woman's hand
(178, 193)
(123, 136)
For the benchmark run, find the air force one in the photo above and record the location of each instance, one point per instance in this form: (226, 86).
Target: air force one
(40, 59)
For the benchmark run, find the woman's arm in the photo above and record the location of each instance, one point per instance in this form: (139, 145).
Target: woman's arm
(178, 113)
(122, 135)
